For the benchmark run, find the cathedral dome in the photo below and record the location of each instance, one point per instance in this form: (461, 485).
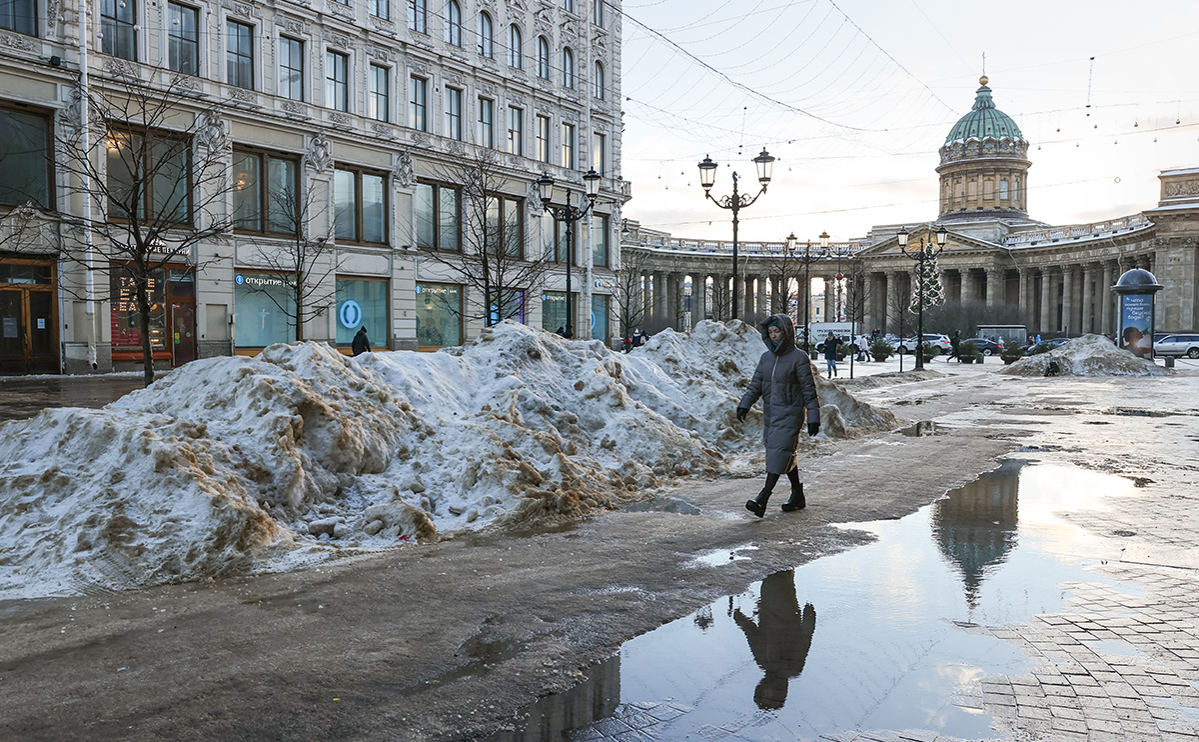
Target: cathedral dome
(984, 121)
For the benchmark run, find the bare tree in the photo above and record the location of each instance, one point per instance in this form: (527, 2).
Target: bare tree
(630, 301)
(154, 166)
(298, 258)
(495, 260)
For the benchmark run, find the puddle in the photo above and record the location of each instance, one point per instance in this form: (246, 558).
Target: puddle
(717, 557)
(887, 636)
(662, 504)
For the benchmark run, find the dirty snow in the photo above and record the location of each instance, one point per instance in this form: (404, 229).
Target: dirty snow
(233, 464)
(1088, 355)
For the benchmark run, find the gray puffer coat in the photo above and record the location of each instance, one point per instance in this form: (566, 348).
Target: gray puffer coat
(783, 379)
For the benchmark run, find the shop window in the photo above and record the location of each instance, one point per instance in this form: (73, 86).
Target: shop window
(438, 217)
(599, 317)
(266, 191)
(259, 317)
(360, 205)
(511, 306)
(165, 288)
(148, 177)
(362, 303)
(553, 310)
(25, 162)
(438, 315)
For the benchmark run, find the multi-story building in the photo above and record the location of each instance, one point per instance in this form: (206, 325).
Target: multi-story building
(339, 128)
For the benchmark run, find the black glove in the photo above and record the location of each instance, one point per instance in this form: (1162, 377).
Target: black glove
(741, 413)
(813, 429)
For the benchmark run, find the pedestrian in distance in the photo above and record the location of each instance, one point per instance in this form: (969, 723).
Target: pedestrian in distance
(783, 381)
(863, 349)
(361, 343)
(830, 353)
(955, 345)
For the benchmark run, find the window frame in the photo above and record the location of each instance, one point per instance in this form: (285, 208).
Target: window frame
(516, 56)
(148, 214)
(599, 151)
(569, 151)
(418, 110)
(264, 195)
(438, 187)
(486, 35)
(418, 16)
(375, 97)
(545, 139)
(597, 12)
(453, 112)
(379, 9)
(604, 230)
(516, 144)
(47, 118)
(543, 58)
(486, 128)
(453, 23)
(177, 40)
(284, 88)
(359, 223)
(244, 60)
(568, 68)
(332, 82)
(112, 26)
(34, 19)
(597, 87)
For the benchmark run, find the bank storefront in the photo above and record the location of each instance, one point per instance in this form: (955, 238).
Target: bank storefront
(438, 315)
(362, 302)
(258, 315)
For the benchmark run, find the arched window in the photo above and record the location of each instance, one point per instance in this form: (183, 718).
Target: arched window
(515, 58)
(599, 80)
(486, 45)
(543, 57)
(568, 68)
(453, 23)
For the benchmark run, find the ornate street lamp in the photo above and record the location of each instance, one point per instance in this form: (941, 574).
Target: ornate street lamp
(707, 178)
(568, 214)
(927, 251)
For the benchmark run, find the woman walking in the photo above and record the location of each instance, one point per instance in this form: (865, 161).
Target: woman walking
(830, 353)
(783, 379)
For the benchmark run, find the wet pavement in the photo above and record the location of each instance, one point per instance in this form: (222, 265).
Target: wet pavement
(24, 396)
(986, 615)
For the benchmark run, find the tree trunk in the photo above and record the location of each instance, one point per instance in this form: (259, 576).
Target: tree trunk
(141, 280)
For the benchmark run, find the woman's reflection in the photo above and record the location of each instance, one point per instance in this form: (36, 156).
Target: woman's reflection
(780, 639)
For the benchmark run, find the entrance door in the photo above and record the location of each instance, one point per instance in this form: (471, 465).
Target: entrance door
(41, 331)
(28, 332)
(12, 341)
(183, 334)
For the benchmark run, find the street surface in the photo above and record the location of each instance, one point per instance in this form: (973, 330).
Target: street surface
(449, 641)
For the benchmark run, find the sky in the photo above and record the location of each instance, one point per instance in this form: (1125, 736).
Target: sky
(854, 98)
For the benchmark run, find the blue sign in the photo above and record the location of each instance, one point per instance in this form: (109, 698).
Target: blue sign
(350, 314)
(239, 279)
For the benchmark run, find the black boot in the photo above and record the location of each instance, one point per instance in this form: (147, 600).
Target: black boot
(757, 506)
(797, 501)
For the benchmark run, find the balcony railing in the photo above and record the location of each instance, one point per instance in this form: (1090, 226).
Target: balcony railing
(1078, 231)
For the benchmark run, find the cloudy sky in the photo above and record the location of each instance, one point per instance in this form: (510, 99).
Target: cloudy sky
(854, 97)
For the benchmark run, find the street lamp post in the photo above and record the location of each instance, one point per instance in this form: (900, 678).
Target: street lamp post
(926, 252)
(707, 178)
(807, 270)
(568, 214)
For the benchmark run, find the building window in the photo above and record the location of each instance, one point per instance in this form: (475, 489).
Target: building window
(239, 54)
(988, 190)
(544, 152)
(453, 23)
(487, 122)
(266, 191)
(553, 311)
(599, 152)
(380, 96)
(505, 228)
(291, 68)
(260, 322)
(149, 177)
(516, 131)
(568, 146)
(599, 318)
(568, 68)
(453, 113)
(380, 8)
(543, 58)
(418, 109)
(486, 36)
(597, 12)
(369, 296)
(438, 217)
(959, 196)
(25, 160)
(568, 6)
(1003, 194)
(19, 16)
(359, 205)
(337, 81)
(1015, 191)
(418, 15)
(598, 87)
(118, 23)
(438, 315)
(599, 240)
(515, 56)
(183, 54)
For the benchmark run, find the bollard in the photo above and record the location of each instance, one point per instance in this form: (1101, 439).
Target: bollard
(1169, 361)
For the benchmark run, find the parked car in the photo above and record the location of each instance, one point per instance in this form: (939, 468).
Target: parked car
(939, 342)
(986, 347)
(1053, 344)
(1177, 345)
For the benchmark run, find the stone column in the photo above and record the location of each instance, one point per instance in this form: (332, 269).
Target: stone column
(675, 300)
(1106, 298)
(994, 287)
(890, 320)
(830, 298)
(760, 305)
(699, 286)
(1068, 325)
(1088, 298)
(968, 293)
(1022, 301)
(1048, 279)
(658, 311)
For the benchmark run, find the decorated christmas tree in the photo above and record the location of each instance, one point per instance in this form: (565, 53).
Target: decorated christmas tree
(928, 288)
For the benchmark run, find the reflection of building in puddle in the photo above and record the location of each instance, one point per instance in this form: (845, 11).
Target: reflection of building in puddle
(554, 716)
(975, 526)
(780, 639)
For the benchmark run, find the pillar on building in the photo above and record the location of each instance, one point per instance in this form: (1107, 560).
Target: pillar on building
(1024, 294)
(699, 285)
(658, 313)
(760, 306)
(1106, 298)
(969, 292)
(890, 320)
(1088, 298)
(829, 300)
(994, 287)
(1048, 279)
(1068, 325)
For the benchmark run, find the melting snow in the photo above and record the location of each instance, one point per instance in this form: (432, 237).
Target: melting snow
(1088, 355)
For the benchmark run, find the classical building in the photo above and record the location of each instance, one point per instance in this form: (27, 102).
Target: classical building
(340, 127)
(1056, 277)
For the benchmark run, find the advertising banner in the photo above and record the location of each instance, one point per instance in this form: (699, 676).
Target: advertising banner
(1136, 324)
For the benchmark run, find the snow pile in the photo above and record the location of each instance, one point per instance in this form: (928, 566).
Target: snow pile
(236, 463)
(1088, 355)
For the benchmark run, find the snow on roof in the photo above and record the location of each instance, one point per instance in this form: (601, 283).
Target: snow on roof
(301, 453)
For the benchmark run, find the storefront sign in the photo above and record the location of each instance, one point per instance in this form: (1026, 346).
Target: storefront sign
(350, 314)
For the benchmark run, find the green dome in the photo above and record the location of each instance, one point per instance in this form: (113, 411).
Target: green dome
(984, 121)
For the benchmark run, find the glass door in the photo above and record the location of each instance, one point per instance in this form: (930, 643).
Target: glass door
(12, 322)
(41, 330)
(183, 334)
